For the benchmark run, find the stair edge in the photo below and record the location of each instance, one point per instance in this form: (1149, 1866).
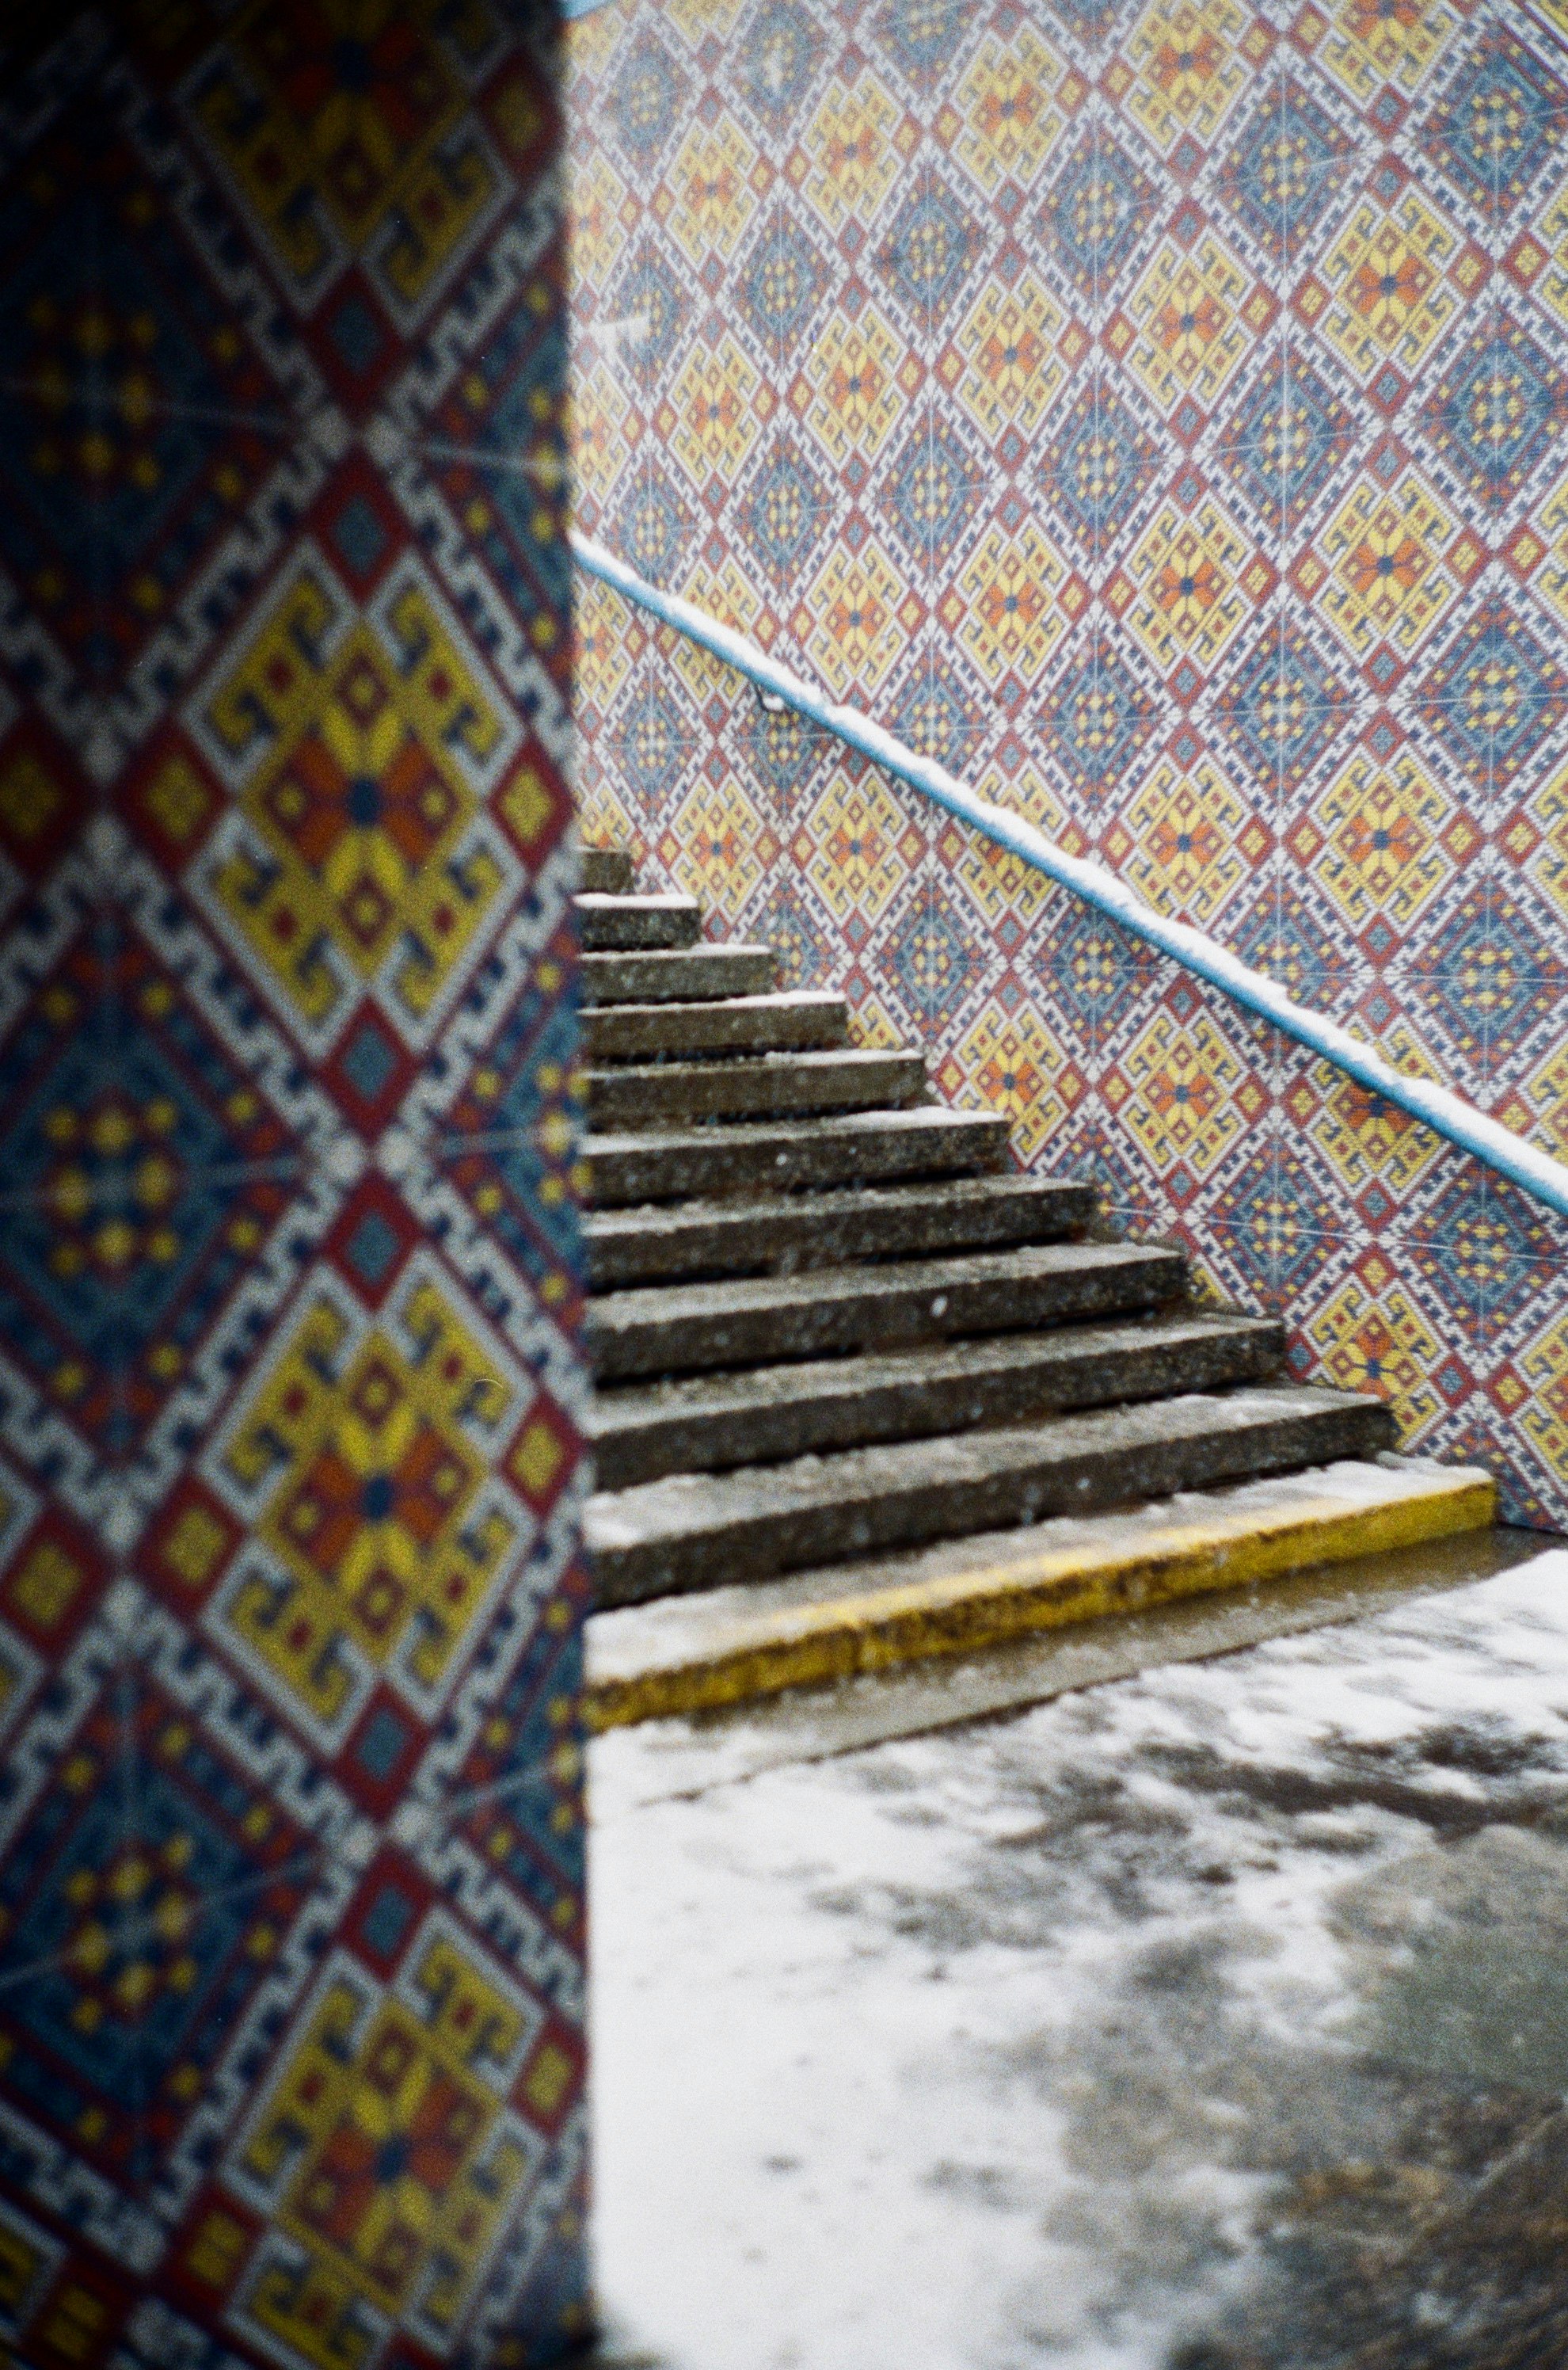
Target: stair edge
(684, 1654)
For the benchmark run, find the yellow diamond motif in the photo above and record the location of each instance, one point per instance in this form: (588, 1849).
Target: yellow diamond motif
(1544, 1366)
(1186, 311)
(1186, 827)
(1011, 1066)
(1374, 41)
(859, 830)
(1365, 1137)
(1009, 125)
(1010, 622)
(1184, 1084)
(720, 846)
(1186, 571)
(1381, 828)
(715, 419)
(388, 2152)
(854, 635)
(1378, 1342)
(994, 877)
(1553, 578)
(1386, 276)
(856, 399)
(365, 1457)
(1549, 866)
(599, 622)
(598, 446)
(1384, 552)
(595, 199)
(712, 198)
(1188, 72)
(1012, 368)
(855, 157)
(360, 853)
(726, 593)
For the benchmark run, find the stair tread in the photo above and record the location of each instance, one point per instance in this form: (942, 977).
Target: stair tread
(673, 1217)
(642, 1305)
(682, 1654)
(636, 901)
(813, 1060)
(620, 1406)
(684, 1505)
(926, 1119)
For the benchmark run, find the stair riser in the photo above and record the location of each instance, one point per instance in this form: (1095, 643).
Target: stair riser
(921, 1408)
(788, 1238)
(752, 1091)
(702, 973)
(888, 1316)
(745, 1549)
(685, 1032)
(606, 871)
(651, 1171)
(630, 928)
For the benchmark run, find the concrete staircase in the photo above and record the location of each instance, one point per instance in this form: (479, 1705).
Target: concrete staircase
(870, 1390)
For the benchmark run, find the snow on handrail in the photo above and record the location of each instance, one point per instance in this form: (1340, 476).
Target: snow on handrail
(1436, 1106)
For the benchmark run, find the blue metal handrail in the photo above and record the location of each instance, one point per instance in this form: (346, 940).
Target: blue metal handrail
(1438, 1108)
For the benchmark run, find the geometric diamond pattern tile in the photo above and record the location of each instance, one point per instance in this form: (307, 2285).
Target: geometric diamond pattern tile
(286, 1001)
(1157, 412)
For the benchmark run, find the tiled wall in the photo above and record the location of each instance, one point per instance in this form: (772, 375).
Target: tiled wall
(1158, 412)
(289, 1828)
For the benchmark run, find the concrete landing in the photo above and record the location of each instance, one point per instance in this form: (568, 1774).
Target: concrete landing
(1215, 2019)
(723, 1646)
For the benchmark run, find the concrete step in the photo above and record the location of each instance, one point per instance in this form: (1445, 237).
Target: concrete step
(807, 1021)
(606, 871)
(761, 1319)
(765, 1086)
(693, 1653)
(707, 1530)
(677, 976)
(671, 1165)
(628, 924)
(712, 1422)
(782, 1233)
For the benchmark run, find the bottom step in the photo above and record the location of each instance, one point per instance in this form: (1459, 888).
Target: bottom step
(695, 1653)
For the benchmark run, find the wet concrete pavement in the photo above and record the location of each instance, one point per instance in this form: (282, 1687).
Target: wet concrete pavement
(1215, 2019)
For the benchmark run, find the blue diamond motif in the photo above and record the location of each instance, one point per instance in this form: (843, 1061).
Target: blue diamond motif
(654, 525)
(1286, 441)
(1283, 710)
(1097, 719)
(1501, 118)
(1497, 410)
(1098, 465)
(930, 492)
(1099, 207)
(935, 717)
(652, 741)
(932, 955)
(928, 253)
(1489, 976)
(785, 510)
(1494, 696)
(648, 98)
(1283, 166)
(652, 295)
(921, 36)
(782, 47)
(783, 284)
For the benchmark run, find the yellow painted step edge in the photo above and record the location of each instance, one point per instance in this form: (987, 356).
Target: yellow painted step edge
(962, 1612)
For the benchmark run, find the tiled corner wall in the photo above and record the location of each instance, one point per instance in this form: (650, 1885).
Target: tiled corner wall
(1156, 411)
(290, 1937)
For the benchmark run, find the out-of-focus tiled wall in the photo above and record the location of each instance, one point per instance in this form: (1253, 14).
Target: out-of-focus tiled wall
(1158, 412)
(290, 1888)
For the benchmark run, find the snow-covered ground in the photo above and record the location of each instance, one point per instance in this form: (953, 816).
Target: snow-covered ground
(1188, 2022)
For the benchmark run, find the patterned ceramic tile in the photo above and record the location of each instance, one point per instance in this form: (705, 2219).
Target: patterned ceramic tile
(290, 1395)
(1156, 408)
